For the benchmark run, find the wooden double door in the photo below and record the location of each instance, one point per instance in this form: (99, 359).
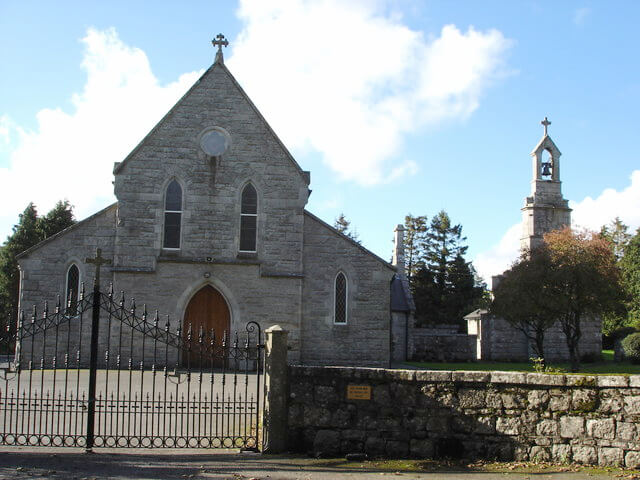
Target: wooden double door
(208, 312)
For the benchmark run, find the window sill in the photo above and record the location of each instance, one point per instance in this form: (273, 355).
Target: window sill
(247, 255)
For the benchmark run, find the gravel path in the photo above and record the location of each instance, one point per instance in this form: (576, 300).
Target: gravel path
(72, 464)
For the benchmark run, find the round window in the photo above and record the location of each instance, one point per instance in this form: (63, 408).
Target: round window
(215, 142)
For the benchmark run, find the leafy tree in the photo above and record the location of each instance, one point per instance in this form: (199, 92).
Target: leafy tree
(630, 267)
(584, 282)
(29, 231)
(344, 226)
(415, 233)
(521, 297)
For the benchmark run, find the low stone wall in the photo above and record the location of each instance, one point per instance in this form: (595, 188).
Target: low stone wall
(432, 345)
(471, 415)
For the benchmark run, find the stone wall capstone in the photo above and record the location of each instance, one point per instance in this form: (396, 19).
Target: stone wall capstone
(470, 415)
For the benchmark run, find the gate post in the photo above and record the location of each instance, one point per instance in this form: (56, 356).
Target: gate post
(98, 261)
(93, 366)
(275, 414)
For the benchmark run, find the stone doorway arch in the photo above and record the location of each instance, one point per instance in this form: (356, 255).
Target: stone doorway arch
(207, 310)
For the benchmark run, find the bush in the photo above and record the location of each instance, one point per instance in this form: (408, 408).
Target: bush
(631, 347)
(609, 340)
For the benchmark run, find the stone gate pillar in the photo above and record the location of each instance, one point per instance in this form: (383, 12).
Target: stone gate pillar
(275, 414)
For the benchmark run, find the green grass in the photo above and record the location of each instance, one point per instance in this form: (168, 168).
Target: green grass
(606, 366)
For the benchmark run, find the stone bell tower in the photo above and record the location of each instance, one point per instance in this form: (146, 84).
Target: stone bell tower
(545, 209)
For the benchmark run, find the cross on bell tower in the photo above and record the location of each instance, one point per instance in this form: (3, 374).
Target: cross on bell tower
(545, 210)
(545, 123)
(219, 42)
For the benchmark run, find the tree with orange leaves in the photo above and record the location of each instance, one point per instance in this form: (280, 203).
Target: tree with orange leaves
(584, 282)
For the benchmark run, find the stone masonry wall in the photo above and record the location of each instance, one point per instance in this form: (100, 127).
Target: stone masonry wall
(471, 415)
(365, 338)
(502, 342)
(428, 345)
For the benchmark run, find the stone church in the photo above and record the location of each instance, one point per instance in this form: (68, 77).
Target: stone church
(210, 227)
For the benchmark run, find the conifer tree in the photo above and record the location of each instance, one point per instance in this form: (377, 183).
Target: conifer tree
(29, 231)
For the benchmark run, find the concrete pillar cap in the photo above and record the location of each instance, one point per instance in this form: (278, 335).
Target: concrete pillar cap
(275, 328)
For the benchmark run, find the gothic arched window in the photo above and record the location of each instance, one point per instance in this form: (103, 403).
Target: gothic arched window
(71, 291)
(172, 215)
(248, 219)
(340, 299)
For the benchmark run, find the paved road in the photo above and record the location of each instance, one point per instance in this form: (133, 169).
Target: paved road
(20, 463)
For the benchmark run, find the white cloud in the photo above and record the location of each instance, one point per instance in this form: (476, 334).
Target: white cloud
(5, 137)
(349, 80)
(591, 213)
(499, 257)
(581, 15)
(71, 154)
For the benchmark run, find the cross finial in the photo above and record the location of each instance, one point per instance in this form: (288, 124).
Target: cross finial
(219, 42)
(545, 123)
(98, 261)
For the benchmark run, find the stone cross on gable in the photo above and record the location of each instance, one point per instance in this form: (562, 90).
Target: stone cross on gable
(98, 261)
(219, 42)
(545, 123)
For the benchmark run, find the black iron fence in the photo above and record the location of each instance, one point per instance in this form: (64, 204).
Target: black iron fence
(102, 372)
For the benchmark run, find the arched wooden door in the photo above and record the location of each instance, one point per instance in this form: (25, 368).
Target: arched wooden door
(207, 310)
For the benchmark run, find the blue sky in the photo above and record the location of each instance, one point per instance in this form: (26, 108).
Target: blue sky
(394, 107)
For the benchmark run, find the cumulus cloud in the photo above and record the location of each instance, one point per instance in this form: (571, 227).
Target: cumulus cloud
(499, 257)
(591, 213)
(351, 91)
(71, 154)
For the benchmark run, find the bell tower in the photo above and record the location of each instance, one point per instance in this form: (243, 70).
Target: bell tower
(545, 209)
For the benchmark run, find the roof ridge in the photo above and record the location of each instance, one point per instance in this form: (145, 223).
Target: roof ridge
(348, 238)
(63, 232)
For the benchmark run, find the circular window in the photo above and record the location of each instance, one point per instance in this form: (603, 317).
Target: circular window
(215, 142)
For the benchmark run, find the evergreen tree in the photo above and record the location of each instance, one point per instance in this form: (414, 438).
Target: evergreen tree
(26, 233)
(444, 285)
(618, 234)
(59, 218)
(29, 231)
(443, 246)
(344, 226)
(415, 232)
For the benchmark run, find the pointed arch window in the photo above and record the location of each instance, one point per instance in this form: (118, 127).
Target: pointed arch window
(172, 215)
(72, 287)
(248, 219)
(340, 299)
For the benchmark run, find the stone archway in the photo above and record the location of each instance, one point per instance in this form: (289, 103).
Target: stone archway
(208, 310)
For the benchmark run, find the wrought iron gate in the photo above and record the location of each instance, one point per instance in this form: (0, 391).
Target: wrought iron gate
(100, 373)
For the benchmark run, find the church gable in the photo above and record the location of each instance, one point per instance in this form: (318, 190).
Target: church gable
(213, 143)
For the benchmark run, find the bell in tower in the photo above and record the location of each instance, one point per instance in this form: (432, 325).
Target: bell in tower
(545, 209)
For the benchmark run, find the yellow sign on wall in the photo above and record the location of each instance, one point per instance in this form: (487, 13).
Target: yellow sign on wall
(358, 392)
